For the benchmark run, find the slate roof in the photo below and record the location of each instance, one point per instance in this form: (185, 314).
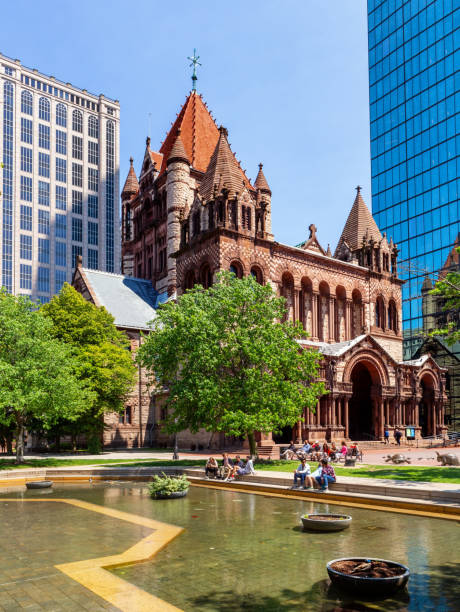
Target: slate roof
(337, 348)
(131, 301)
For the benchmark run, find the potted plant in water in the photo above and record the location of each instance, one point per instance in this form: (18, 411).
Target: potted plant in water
(168, 487)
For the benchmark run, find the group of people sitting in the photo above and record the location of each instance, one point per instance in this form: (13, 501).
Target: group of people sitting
(318, 451)
(323, 475)
(229, 468)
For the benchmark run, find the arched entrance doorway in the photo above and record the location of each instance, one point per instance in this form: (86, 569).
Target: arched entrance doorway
(360, 416)
(285, 436)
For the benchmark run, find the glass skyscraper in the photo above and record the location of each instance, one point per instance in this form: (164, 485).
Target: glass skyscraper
(59, 183)
(414, 85)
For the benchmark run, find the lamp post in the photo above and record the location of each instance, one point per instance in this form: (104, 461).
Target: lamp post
(176, 449)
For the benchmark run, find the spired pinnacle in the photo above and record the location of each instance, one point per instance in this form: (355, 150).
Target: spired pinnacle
(194, 59)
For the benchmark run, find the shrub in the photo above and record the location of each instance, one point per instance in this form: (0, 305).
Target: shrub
(165, 485)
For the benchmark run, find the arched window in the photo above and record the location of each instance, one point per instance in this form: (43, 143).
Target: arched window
(392, 316)
(93, 127)
(189, 279)
(44, 109)
(236, 269)
(206, 276)
(77, 121)
(26, 102)
(380, 313)
(196, 223)
(256, 272)
(61, 115)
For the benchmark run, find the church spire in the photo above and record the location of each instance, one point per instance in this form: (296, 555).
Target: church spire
(131, 184)
(178, 152)
(223, 170)
(261, 181)
(360, 223)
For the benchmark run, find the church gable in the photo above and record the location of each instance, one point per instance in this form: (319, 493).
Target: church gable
(312, 244)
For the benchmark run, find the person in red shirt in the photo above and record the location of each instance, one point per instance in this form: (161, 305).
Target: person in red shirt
(327, 475)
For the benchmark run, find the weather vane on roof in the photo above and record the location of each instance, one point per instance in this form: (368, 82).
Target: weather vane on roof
(194, 63)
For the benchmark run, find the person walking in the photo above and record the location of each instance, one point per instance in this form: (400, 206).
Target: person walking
(386, 435)
(398, 436)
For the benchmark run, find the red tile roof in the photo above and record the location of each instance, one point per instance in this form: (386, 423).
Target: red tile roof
(199, 133)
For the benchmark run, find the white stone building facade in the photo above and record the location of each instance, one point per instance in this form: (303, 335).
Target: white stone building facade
(59, 183)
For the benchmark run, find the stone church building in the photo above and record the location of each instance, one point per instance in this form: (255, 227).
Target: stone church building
(193, 211)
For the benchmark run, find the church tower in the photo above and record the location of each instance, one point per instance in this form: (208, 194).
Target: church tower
(178, 192)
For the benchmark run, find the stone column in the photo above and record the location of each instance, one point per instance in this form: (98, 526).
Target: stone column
(345, 416)
(416, 412)
(318, 413)
(387, 412)
(332, 318)
(433, 407)
(381, 418)
(314, 316)
(339, 410)
(299, 432)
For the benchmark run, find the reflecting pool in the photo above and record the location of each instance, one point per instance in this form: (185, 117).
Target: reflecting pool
(238, 551)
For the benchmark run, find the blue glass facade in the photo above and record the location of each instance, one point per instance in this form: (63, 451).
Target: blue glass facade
(414, 86)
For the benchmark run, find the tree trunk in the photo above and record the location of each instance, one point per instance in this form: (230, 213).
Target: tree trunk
(9, 443)
(20, 443)
(74, 441)
(252, 443)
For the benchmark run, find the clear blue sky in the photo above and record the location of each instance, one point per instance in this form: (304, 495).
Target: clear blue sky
(288, 78)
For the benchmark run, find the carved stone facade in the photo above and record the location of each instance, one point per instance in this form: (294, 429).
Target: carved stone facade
(195, 212)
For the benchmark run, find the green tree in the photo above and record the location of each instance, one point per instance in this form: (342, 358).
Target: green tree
(228, 361)
(37, 371)
(448, 287)
(104, 362)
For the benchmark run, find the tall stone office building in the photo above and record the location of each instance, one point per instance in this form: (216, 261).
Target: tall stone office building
(59, 182)
(414, 85)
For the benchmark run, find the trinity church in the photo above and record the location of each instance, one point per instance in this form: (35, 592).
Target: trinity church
(192, 211)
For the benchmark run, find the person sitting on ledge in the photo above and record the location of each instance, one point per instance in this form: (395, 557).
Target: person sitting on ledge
(227, 466)
(243, 469)
(302, 473)
(290, 452)
(306, 448)
(333, 452)
(211, 467)
(327, 475)
(344, 450)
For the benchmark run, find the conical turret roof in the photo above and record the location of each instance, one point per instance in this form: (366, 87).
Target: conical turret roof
(199, 133)
(131, 184)
(178, 152)
(223, 170)
(360, 223)
(261, 181)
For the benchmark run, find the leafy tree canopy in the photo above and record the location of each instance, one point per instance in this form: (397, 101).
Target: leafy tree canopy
(229, 362)
(37, 371)
(449, 288)
(104, 363)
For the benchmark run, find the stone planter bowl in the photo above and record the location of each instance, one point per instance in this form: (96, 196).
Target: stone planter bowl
(174, 495)
(335, 522)
(360, 585)
(39, 484)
